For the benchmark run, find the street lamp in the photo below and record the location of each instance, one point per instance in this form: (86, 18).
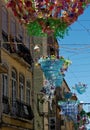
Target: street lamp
(36, 48)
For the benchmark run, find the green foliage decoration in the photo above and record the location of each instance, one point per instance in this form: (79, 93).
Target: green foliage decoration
(56, 26)
(59, 27)
(34, 29)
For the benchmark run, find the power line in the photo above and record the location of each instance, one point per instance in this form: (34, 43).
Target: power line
(83, 26)
(74, 44)
(79, 30)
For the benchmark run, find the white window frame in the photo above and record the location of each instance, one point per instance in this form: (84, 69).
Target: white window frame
(4, 19)
(13, 27)
(21, 87)
(5, 84)
(14, 86)
(28, 86)
(27, 41)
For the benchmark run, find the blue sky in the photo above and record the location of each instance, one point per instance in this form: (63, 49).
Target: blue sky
(76, 47)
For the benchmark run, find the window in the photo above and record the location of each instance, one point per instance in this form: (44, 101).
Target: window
(4, 24)
(52, 123)
(4, 20)
(5, 101)
(5, 85)
(20, 33)
(14, 85)
(28, 41)
(21, 87)
(28, 92)
(13, 27)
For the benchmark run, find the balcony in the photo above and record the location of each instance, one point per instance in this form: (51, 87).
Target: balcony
(2, 67)
(5, 106)
(22, 110)
(18, 51)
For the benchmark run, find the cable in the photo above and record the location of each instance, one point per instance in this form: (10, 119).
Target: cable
(83, 26)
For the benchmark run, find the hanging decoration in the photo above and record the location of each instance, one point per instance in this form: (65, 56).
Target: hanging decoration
(82, 120)
(48, 91)
(54, 70)
(68, 95)
(45, 16)
(69, 109)
(80, 88)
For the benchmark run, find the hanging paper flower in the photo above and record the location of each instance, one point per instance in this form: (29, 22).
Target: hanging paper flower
(80, 88)
(58, 14)
(69, 109)
(67, 95)
(51, 67)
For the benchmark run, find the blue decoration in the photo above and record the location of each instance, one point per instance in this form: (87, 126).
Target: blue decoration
(52, 67)
(69, 109)
(67, 95)
(81, 88)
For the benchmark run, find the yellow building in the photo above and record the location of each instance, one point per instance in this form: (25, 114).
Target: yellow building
(15, 74)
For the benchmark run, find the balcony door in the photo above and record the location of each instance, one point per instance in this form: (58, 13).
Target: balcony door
(14, 88)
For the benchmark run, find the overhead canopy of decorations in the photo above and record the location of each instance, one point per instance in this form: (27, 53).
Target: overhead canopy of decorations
(46, 16)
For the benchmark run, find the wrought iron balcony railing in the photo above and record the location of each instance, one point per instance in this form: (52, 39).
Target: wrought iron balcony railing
(20, 49)
(5, 105)
(22, 110)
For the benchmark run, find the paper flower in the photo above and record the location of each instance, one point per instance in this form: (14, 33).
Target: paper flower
(49, 15)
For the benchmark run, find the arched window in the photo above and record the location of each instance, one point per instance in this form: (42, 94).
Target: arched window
(28, 85)
(21, 87)
(5, 85)
(14, 86)
(5, 76)
(5, 90)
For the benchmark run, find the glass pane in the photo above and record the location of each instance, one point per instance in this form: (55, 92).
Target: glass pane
(28, 96)
(4, 20)
(5, 85)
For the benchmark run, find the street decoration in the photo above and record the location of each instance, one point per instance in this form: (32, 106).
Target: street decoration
(82, 120)
(69, 108)
(54, 70)
(80, 87)
(68, 95)
(47, 16)
(48, 91)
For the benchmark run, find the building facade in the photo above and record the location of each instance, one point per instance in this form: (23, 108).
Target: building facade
(16, 112)
(21, 79)
(47, 46)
